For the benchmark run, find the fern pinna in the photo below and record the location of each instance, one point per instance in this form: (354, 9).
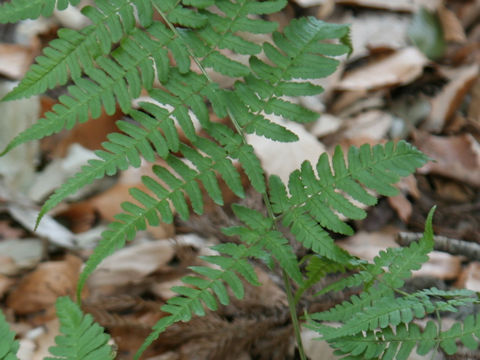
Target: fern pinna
(378, 324)
(169, 49)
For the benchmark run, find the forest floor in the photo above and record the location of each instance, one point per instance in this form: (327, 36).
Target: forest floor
(413, 75)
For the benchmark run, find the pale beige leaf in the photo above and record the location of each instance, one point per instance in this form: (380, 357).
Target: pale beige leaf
(399, 68)
(131, 265)
(456, 157)
(447, 101)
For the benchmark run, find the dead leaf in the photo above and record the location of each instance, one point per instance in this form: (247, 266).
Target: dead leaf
(367, 245)
(370, 31)
(452, 28)
(456, 157)
(19, 254)
(39, 290)
(373, 124)
(283, 158)
(49, 228)
(89, 134)
(18, 166)
(474, 107)
(7, 231)
(15, 60)
(325, 125)
(58, 171)
(5, 284)
(440, 265)
(400, 68)
(46, 339)
(450, 98)
(402, 206)
(130, 265)
(470, 277)
(315, 348)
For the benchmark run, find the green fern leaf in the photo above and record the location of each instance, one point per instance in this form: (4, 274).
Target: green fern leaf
(81, 338)
(72, 52)
(232, 263)
(8, 345)
(314, 202)
(400, 263)
(155, 207)
(318, 267)
(16, 10)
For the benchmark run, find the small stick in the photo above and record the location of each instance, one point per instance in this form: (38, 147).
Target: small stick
(468, 249)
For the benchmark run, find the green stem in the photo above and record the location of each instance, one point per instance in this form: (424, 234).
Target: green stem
(293, 315)
(271, 214)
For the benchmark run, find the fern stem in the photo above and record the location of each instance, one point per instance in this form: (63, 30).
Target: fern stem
(293, 315)
(271, 214)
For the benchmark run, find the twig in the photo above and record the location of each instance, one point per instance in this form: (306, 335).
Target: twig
(442, 243)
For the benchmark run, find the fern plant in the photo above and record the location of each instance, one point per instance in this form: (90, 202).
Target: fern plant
(169, 48)
(80, 338)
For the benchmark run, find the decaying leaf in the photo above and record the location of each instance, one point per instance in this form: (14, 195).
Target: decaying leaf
(19, 254)
(38, 291)
(373, 124)
(17, 167)
(452, 28)
(15, 60)
(130, 266)
(450, 98)
(470, 277)
(440, 265)
(400, 68)
(282, 158)
(456, 157)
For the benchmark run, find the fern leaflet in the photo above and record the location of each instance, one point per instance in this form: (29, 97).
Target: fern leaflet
(16, 10)
(81, 338)
(8, 345)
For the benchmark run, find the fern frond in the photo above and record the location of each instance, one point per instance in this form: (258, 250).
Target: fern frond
(222, 32)
(313, 203)
(318, 267)
(237, 148)
(204, 289)
(81, 338)
(180, 183)
(297, 57)
(117, 78)
(398, 342)
(382, 283)
(8, 345)
(75, 51)
(16, 10)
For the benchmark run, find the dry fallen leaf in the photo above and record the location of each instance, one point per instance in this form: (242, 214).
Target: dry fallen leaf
(474, 107)
(15, 60)
(399, 68)
(283, 158)
(19, 254)
(452, 28)
(440, 265)
(18, 166)
(450, 98)
(456, 157)
(39, 290)
(373, 124)
(370, 31)
(367, 245)
(130, 265)
(470, 277)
